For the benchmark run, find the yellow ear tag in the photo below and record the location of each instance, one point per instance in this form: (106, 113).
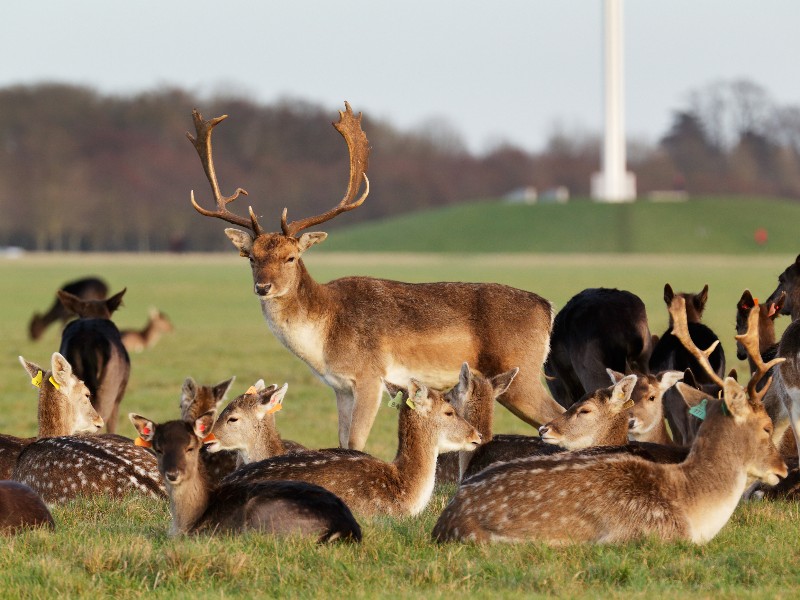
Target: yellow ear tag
(627, 405)
(252, 390)
(410, 403)
(53, 381)
(37, 381)
(143, 443)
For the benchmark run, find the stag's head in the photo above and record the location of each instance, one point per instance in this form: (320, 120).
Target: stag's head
(275, 258)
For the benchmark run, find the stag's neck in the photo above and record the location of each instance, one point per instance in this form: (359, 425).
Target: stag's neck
(416, 460)
(188, 501)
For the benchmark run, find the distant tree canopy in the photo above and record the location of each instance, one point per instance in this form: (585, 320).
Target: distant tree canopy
(84, 171)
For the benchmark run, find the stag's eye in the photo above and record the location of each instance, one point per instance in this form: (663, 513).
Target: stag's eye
(449, 413)
(290, 259)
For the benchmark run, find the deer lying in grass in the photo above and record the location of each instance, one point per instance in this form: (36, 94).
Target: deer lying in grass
(22, 508)
(427, 426)
(355, 331)
(583, 346)
(88, 288)
(93, 346)
(60, 466)
(276, 507)
(647, 420)
(247, 426)
(618, 498)
(137, 340)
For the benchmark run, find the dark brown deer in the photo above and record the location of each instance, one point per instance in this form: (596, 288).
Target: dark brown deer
(137, 340)
(276, 507)
(22, 508)
(598, 329)
(569, 498)
(789, 287)
(767, 313)
(427, 426)
(93, 346)
(59, 466)
(352, 332)
(88, 288)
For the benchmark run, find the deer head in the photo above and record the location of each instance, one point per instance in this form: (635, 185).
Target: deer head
(695, 303)
(647, 413)
(788, 284)
(275, 257)
(767, 313)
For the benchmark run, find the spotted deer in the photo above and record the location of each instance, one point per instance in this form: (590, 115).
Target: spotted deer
(93, 346)
(87, 288)
(138, 340)
(59, 466)
(247, 427)
(22, 508)
(275, 507)
(355, 331)
(614, 499)
(427, 426)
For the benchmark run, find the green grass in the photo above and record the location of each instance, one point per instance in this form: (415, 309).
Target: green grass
(700, 226)
(120, 549)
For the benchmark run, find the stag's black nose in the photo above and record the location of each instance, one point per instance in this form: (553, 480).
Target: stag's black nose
(262, 289)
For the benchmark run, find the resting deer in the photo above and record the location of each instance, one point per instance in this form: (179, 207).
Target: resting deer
(93, 346)
(618, 498)
(22, 508)
(647, 420)
(427, 426)
(60, 466)
(138, 340)
(355, 331)
(247, 426)
(276, 507)
(88, 288)
(597, 329)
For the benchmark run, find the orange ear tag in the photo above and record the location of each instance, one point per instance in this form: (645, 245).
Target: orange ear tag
(275, 408)
(209, 438)
(142, 443)
(252, 390)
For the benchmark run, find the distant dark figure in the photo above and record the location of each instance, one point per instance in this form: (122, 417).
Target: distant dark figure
(88, 288)
(93, 346)
(597, 329)
(21, 508)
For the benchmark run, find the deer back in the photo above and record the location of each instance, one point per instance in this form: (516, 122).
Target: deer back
(21, 508)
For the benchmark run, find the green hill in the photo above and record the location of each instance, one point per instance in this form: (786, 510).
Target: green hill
(701, 225)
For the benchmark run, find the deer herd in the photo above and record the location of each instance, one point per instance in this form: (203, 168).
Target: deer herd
(638, 435)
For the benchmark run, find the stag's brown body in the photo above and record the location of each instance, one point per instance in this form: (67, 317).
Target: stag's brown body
(354, 331)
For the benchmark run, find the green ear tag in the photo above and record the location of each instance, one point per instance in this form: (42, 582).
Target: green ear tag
(725, 410)
(699, 410)
(395, 402)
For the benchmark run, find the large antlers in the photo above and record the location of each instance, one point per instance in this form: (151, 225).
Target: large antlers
(202, 143)
(349, 126)
(749, 340)
(680, 329)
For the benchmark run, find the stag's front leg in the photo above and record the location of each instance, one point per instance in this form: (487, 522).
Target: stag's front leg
(366, 401)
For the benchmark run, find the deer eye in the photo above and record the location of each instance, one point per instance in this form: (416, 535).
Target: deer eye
(290, 259)
(652, 398)
(233, 419)
(584, 411)
(449, 413)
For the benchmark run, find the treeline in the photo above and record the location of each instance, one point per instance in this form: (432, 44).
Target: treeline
(85, 171)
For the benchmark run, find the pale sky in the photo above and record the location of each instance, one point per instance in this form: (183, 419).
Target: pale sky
(505, 70)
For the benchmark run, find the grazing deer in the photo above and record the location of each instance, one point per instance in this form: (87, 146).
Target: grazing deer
(93, 346)
(277, 507)
(157, 325)
(22, 508)
(355, 331)
(60, 466)
(247, 425)
(88, 288)
(427, 426)
(597, 329)
(619, 498)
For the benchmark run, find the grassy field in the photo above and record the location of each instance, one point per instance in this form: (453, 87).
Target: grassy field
(105, 549)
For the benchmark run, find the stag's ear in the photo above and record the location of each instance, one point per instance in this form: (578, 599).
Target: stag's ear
(735, 398)
(615, 376)
(241, 239)
(621, 392)
(305, 241)
(502, 382)
(115, 301)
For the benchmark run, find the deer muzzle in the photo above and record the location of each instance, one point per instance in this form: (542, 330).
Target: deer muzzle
(262, 289)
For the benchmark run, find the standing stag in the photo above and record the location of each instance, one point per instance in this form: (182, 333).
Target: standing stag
(354, 331)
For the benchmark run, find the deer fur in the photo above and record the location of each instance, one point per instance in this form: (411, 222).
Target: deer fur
(355, 332)
(427, 426)
(279, 507)
(647, 422)
(88, 288)
(137, 340)
(598, 329)
(614, 499)
(93, 346)
(22, 508)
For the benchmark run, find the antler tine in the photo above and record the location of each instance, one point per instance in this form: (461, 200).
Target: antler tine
(202, 143)
(349, 126)
(749, 341)
(680, 329)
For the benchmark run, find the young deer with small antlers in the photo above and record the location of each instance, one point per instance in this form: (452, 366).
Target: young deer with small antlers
(137, 340)
(60, 466)
(354, 332)
(427, 426)
(93, 346)
(618, 498)
(276, 507)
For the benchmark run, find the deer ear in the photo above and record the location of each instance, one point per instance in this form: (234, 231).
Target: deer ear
(145, 427)
(616, 376)
(735, 399)
(305, 241)
(502, 382)
(701, 299)
(115, 301)
(241, 239)
(667, 379)
(71, 302)
(777, 306)
(221, 389)
(621, 392)
(62, 370)
(271, 401)
(418, 397)
(204, 423)
(691, 395)
(393, 389)
(188, 393)
(32, 368)
(668, 294)
(746, 301)
(689, 379)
